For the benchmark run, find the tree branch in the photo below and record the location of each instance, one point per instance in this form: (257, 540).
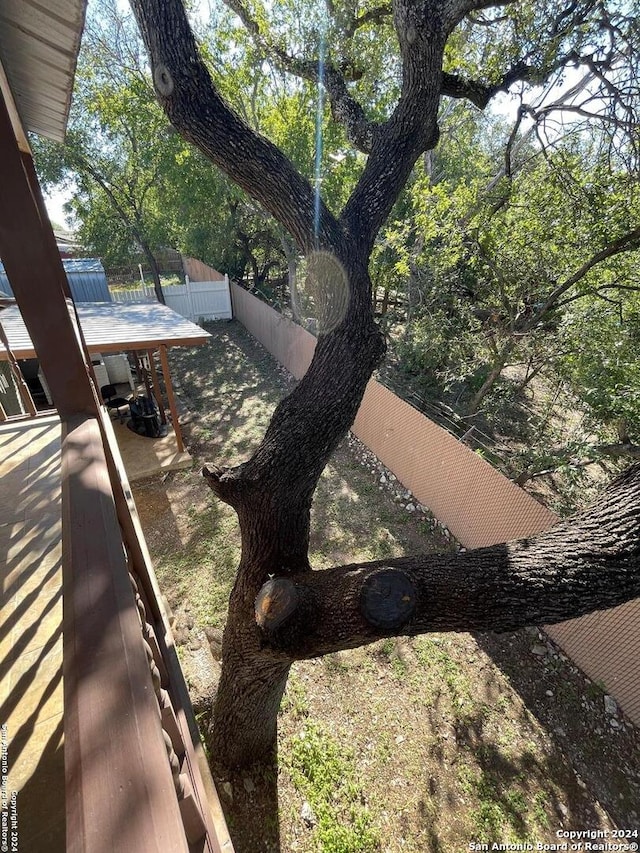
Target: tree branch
(196, 109)
(344, 107)
(479, 93)
(412, 128)
(455, 10)
(374, 16)
(625, 450)
(628, 242)
(474, 91)
(598, 293)
(589, 562)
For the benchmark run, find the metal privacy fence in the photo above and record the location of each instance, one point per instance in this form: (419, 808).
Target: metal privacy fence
(478, 504)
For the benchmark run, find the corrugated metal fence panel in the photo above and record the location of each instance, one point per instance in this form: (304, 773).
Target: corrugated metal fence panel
(87, 280)
(478, 504)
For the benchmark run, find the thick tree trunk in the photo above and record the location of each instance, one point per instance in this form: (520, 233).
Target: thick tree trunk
(245, 716)
(279, 609)
(275, 540)
(272, 495)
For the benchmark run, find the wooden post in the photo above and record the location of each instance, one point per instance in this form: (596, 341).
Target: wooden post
(144, 373)
(23, 388)
(156, 384)
(50, 238)
(171, 397)
(37, 276)
(136, 361)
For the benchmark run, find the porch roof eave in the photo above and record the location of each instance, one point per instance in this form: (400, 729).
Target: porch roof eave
(112, 327)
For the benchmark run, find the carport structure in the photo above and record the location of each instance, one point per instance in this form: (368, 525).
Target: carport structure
(111, 327)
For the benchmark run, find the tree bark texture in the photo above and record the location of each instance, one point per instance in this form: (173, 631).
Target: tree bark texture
(495, 373)
(155, 272)
(586, 563)
(280, 610)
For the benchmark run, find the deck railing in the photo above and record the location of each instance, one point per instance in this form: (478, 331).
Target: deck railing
(133, 771)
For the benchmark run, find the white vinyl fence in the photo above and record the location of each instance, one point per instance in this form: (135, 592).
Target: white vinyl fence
(195, 300)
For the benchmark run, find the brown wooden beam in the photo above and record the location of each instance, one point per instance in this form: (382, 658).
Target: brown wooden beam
(37, 277)
(50, 238)
(164, 361)
(156, 384)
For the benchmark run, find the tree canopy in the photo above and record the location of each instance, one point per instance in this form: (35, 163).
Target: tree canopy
(427, 50)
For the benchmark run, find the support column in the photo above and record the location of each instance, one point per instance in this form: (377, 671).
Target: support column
(37, 276)
(171, 397)
(156, 384)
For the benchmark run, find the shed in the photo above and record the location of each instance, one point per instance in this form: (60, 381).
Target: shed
(87, 279)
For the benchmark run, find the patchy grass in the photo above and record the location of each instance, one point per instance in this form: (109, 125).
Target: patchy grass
(405, 746)
(194, 544)
(323, 772)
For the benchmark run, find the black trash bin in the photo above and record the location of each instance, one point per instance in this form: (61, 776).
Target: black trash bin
(145, 417)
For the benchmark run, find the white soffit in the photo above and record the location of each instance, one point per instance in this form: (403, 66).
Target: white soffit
(39, 44)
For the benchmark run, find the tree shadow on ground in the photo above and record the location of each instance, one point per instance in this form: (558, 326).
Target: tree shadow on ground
(571, 709)
(519, 784)
(250, 802)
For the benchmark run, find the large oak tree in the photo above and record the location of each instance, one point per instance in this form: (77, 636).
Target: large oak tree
(281, 610)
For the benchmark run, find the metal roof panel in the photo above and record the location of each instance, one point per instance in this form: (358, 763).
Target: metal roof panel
(112, 327)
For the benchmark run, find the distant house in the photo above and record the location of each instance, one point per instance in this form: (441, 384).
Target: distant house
(87, 280)
(68, 246)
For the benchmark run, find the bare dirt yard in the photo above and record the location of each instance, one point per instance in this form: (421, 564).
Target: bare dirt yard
(426, 745)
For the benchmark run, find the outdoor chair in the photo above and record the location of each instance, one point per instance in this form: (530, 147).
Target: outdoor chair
(112, 401)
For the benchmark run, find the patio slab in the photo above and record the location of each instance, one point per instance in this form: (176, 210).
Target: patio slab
(147, 457)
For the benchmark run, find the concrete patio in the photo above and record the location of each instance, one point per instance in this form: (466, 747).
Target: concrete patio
(148, 457)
